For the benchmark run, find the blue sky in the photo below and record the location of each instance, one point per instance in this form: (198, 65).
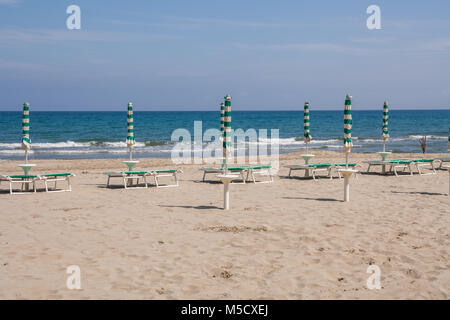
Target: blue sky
(186, 55)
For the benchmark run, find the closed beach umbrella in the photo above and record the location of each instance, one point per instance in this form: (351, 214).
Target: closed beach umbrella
(385, 134)
(347, 128)
(26, 141)
(222, 115)
(130, 128)
(306, 134)
(227, 130)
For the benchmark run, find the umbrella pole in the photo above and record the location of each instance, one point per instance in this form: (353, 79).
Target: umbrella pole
(131, 153)
(346, 160)
(384, 146)
(307, 148)
(26, 156)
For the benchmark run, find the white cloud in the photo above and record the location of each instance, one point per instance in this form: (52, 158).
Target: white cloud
(298, 47)
(23, 36)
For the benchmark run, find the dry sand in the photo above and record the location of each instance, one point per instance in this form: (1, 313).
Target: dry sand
(292, 239)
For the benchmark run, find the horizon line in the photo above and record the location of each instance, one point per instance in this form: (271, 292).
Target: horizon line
(213, 110)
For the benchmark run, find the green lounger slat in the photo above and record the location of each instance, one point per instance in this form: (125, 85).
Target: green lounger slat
(164, 171)
(315, 165)
(126, 172)
(424, 160)
(319, 165)
(22, 176)
(343, 164)
(55, 174)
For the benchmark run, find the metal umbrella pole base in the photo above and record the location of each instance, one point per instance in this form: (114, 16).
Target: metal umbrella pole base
(347, 173)
(384, 155)
(226, 180)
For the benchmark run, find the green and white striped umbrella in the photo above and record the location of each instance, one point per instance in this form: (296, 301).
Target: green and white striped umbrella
(306, 134)
(385, 134)
(385, 131)
(227, 145)
(26, 141)
(348, 124)
(222, 115)
(130, 128)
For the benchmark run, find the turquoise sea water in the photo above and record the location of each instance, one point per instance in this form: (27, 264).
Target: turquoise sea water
(69, 135)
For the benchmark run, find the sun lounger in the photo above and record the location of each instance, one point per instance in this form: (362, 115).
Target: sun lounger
(400, 164)
(313, 168)
(156, 174)
(425, 162)
(442, 161)
(128, 177)
(24, 180)
(55, 177)
(259, 170)
(343, 165)
(372, 163)
(239, 170)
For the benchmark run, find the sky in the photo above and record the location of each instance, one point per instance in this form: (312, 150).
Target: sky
(186, 55)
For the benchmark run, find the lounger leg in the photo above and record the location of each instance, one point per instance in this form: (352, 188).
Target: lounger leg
(432, 167)
(69, 184)
(290, 171)
(313, 174)
(34, 186)
(107, 183)
(125, 183)
(410, 169)
(418, 168)
(10, 188)
(204, 175)
(368, 168)
(46, 185)
(156, 181)
(176, 179)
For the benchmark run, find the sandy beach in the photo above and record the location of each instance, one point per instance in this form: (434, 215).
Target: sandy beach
(292, 239)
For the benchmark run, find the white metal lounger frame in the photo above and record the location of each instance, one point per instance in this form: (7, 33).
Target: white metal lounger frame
(155, 174)
(314, 170)
(442, 161)
(395, 166)
(423, 164)
(55, 179)
(11, 181)
(128, 179)
(373, 163)
(262, 172)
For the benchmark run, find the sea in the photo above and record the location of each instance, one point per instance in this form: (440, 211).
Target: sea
(102, 135)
